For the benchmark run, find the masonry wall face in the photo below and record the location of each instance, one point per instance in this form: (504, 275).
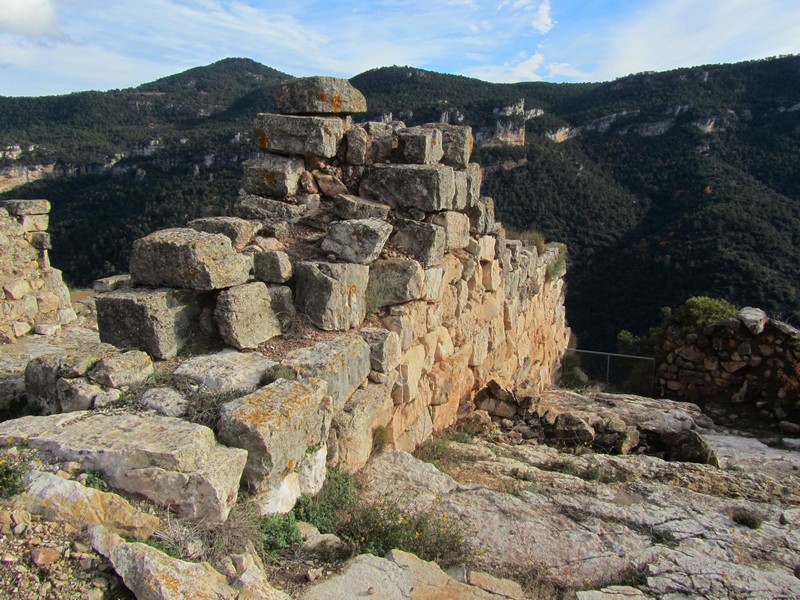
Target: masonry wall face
(33, 294)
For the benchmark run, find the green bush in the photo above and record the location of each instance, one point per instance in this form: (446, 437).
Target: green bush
(336, 497)
(701, 310)
(11, 474)
(279, 532)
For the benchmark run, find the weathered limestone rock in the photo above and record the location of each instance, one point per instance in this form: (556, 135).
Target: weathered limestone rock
(754, 319)
(110, 284)
(343, 363)
(347, 206)
(81, 394)
(688, 446)
(249, 206)
(394, 281)
(354, 429)
(20, 208)
(240, 231)
(357, 145)
(160, 322)
(185, 258)
(276, 424)
(384, 348)
(332, 295)
(168, 461)
(272, 266)
(228, 370)
(358, 241)
(481, 216)
(282, 134)
(67, 501)
(457, 144)
(271, 175)
(168, 402)
(152, 575)
(399, 576)
(421, 145)
(424, 241)
(319, 95)
(483, 248)
(426, 187)
(456, 228)
(119, 370)
(244, 315)
(329, 185)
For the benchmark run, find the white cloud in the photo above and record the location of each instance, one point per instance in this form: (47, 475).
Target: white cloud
(668, 34)
(511, 72)
(543, 21)
(28, 17)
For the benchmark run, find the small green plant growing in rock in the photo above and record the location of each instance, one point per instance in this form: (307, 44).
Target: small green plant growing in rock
(558, 267)
(528, 237)
(11, 477)
(381, 438)
(95, 480)
(278, 533)
(746, 517)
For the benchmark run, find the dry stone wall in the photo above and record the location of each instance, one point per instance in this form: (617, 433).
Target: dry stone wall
(370, 247)
(34, 297)
(745, 371)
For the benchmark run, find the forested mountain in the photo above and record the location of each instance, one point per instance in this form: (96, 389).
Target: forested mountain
(663, 185)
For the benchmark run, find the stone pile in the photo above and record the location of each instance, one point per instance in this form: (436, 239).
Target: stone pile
(375, 235)
(33, 298)
(744, 372)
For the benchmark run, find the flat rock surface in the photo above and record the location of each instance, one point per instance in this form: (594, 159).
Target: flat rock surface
(586, 521)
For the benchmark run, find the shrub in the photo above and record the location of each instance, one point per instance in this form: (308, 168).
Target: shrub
(95, 480)
(746, 517)
(323, 510)
(278, 532)
(701, 310)
(11, 474)
(528, 238)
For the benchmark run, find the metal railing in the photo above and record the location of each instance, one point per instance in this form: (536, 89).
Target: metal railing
(619, 372)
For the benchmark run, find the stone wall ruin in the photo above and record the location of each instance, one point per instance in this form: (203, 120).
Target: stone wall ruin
(363, 279)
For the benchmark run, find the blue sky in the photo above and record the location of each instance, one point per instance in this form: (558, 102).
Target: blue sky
(61, 46)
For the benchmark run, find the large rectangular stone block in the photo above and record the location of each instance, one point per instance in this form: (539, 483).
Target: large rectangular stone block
(160, 321)
(426, 187)
(186, 258)
(285, 134)
(323, 95)
(332, 295)
(421, 145)
(424, 241)
(272, 175)
(249, 206)
(457, 143)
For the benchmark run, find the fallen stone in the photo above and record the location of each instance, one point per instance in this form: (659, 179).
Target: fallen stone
(152, 575)
(240, 231)
(244, 315)
(357, 241)
(352, 207)
(299, 136)
(160, 322)
(272, 266)
(399, 576)
(272, 176)
(169, 461)
(332, 295)
(319, 95)
(424, 241)
(228, 371)
(77, 394)
(185, 258)
(67, 501)
(330, 185)
(688, 446)
(426, 187)
(113, 283)
(276, 424)
(168, 402)
(754, 319)
(249, 206)
(120, 370)
(344, 363)
(394, 281)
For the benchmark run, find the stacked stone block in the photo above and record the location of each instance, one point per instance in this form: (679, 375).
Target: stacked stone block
(33, 296)
(378, 234)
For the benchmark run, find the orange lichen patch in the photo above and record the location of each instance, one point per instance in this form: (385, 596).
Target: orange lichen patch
(323, 97)
(263, 142)
(290, 464)
(336, 103)
(353, 289)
